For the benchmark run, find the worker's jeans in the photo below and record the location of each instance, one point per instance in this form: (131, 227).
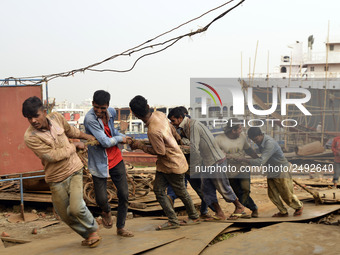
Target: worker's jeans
(336, 172)
(196, 185)
(219, 182)
(118, 177)
(67, 197)
(162, 180)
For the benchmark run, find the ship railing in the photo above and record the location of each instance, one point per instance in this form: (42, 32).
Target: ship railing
(320, 57)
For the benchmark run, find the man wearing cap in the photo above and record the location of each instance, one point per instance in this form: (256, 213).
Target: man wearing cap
(279, 180)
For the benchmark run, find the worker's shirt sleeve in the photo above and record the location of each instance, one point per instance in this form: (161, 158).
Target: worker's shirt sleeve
(48, 152)
(175, 134)
(195, 155)
(94, 128)
(157, 144)
(267, 152)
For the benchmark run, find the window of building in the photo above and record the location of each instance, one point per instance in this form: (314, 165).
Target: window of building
(331, 47)
(283, 69)
(312, 68)
(225, 111)
(326, 69)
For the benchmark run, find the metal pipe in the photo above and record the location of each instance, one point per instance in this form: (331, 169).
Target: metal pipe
(22, 199)
(22, 188)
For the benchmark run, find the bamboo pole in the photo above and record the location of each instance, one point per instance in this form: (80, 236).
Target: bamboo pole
(325, 94)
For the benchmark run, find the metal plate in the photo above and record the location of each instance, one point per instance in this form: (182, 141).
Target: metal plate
(197, 237)
(310, 211)
(281, 239)
(145, 238)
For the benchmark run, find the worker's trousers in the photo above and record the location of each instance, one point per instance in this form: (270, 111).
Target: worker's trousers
(283, 187)
(67, 198)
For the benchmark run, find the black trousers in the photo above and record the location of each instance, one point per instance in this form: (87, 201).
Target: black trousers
(118, 177)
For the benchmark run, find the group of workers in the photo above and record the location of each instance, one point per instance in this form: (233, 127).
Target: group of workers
(48, 137)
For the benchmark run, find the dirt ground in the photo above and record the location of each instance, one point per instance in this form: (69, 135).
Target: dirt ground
(45, 217)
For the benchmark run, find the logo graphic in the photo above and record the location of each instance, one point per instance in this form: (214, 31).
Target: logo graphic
(204, 102)
(239, 100)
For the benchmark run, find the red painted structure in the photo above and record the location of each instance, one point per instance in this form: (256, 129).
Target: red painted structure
(15, 157)
(139, 158)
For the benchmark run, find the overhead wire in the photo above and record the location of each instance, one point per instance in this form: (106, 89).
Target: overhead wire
(139, 48)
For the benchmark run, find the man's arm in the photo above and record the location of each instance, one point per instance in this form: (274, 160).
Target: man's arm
(195, 154)
(268, 151)
(251, 152)
(92, 126)
(175, 134)
(157, 144)
(46, 152)
(71, 131)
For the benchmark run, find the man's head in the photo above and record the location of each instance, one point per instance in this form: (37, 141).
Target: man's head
(33, 109)
(140, 108)
(176, 116)
(233, 130)
(184, 110)
(255, 134)
(100, 103)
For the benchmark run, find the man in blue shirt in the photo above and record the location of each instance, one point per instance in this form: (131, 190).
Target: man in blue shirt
(280, 183)
(106, 160)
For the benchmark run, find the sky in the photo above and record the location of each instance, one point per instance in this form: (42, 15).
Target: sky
(40, 37)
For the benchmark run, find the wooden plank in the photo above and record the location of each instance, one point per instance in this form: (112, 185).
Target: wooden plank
(14, 240)
(281, 239)
(197, 237)
(27, 197)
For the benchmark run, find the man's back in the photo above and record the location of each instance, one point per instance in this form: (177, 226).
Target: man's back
(161, 136)
(203, 144)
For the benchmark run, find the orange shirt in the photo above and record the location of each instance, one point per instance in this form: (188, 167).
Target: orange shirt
(114, 156)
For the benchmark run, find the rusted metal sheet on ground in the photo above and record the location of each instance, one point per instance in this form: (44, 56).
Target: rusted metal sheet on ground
(197, 237)
(310, 211)
(16, 218)
(15, 157)
(281, 239)
(146, 238)
(330, 195)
